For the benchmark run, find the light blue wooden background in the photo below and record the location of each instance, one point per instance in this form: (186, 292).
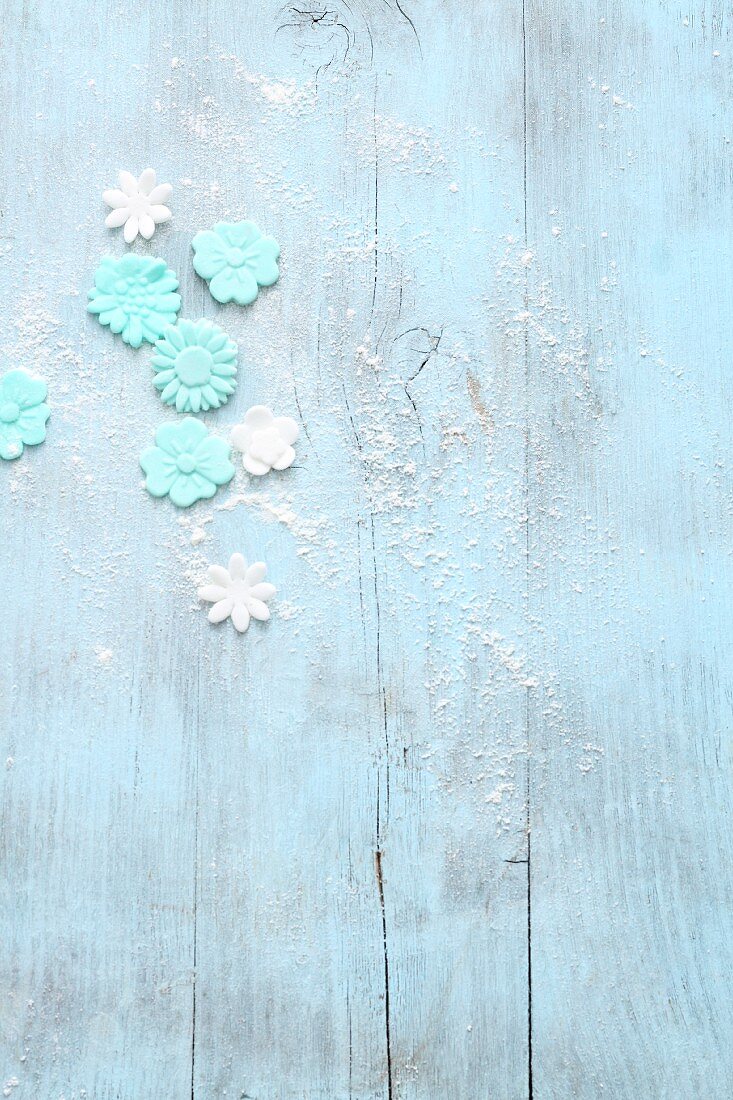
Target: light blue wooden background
(297, 864)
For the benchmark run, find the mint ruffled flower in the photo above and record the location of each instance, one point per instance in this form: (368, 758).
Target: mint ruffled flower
(196, 366)
(23, 412)
(236, 260)
(187, 463)
(135, 296)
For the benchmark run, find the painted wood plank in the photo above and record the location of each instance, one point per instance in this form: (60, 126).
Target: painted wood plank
(382, 940)
(278, 868)
(97, 705)
(629, 322)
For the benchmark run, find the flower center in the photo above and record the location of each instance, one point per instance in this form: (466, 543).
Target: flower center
(239, 591)
(267, 445)
(9, 412)
(186, 463)
(235, 257)
(193, 366)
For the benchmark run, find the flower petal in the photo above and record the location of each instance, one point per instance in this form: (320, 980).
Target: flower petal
(117, 321)
(212, 460)
(263, 591)
(166, 283)
(258, 609)
(160, 213)
(147, 226)
(240, 617)
(288, 428)
(256, 573)
(170, 390)
(128, 183)
(23, 389)
(32, 424)
(161, 193)
(286, 459)
(210, 398)
(258, 418)
(255, 466)
(100, 303)
(210, 253)
(234, 284)
(165, 373)
(262, 259)
(237, 567)
(237, 234)
(222, 385)
(212, 593)
(115, 198)
(131, 228)
(180, 436)
(11, 445)
(106, 275)
(116, 218)
(240, 437)
(221, 610)
(217, 574)
(160, 471)
(153, 325)
(187, 489)
(146, 183)
(132, 334)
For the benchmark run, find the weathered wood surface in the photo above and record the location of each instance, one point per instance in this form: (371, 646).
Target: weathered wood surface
(296, 865)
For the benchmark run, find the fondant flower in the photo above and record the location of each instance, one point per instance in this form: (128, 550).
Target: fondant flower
(135, 296)
(23, 413)
(196, 365)
(238, 591)
(138, 206)
(265, 440)
(236, 260)
(186, 464)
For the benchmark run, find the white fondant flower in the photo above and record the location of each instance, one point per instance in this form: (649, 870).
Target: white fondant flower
(139, 205)
(238, 591)
(265, 440)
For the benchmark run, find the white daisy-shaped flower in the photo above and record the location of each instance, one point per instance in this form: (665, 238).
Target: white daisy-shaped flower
(266, 441)
(239, 592)
(139, 206)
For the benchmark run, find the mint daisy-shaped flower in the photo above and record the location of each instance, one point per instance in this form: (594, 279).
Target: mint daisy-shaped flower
(187, 463)
(236, 260)
(196, 366)
(23, 412)
(135, 296)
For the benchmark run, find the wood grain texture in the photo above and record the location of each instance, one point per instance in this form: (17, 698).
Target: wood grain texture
(296, 865)
(629, 128)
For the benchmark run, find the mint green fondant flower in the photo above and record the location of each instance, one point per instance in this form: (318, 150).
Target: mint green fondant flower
(135, 296)
(236, 260)
(196, 365)
(23, 413)
(187, 464)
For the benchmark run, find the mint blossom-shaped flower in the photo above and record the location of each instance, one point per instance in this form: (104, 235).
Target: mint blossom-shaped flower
(23, 412)
(236, 260)
(135, 296)
(186, 464)
(238, 591)
(196, 366)
(138, 206)
(266, 441)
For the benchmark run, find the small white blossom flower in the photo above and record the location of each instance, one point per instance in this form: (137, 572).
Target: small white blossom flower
(238, 591)
(265, 440)
(139, 205)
